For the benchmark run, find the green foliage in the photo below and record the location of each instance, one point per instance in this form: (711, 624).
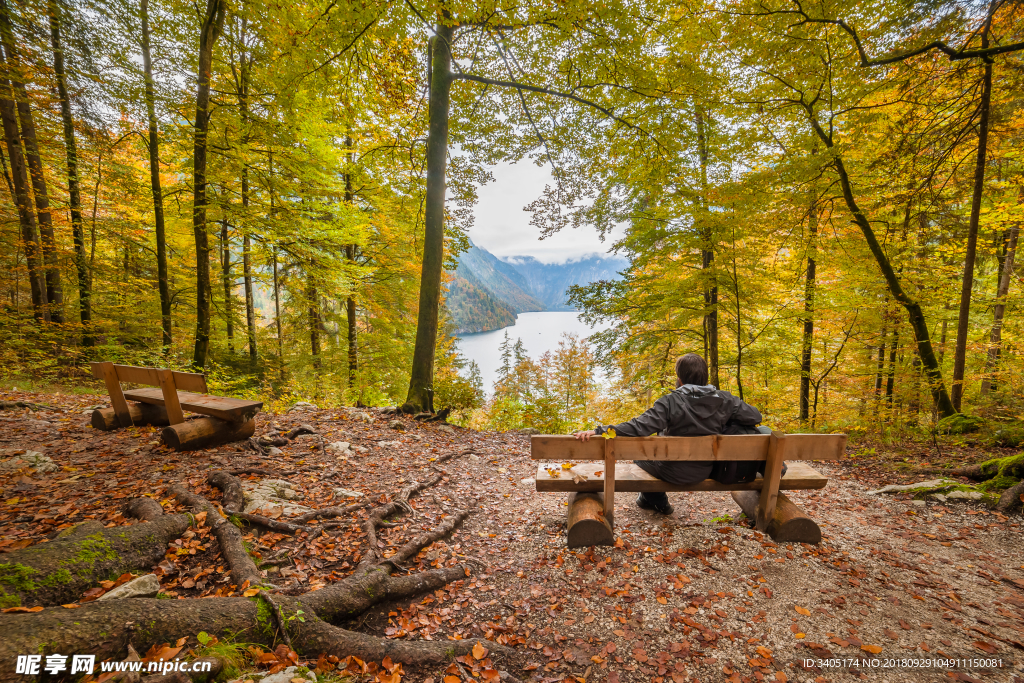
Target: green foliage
(1008, 436)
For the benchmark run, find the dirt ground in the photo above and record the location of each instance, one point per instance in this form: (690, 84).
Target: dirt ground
(896, 591)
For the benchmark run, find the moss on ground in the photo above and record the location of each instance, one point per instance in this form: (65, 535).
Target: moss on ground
(960, 424)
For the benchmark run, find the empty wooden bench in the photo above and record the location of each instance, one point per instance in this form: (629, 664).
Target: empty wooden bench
(227, 419)
(592, 485)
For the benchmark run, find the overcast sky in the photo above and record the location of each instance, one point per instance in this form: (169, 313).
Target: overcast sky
(503, 228)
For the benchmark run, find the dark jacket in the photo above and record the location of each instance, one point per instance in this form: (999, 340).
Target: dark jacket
(689, 410)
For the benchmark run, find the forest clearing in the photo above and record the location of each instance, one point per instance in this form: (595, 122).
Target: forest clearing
(695, 596)
(259, 227)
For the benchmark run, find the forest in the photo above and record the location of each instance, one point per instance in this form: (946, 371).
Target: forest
(824, 201)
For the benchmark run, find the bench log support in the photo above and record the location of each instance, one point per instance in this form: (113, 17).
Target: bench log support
(205, 432)
(106, 419)
(789, 524)
(587, 523)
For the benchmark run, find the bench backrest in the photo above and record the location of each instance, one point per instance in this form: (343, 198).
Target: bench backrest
(169, 381)
(184, 381)
(716, 447)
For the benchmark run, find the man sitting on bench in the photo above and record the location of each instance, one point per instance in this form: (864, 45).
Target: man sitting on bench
(694, 408)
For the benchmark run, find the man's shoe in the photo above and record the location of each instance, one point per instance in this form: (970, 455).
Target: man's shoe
(659, 504)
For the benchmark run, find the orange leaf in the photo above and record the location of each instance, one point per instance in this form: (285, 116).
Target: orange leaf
(479, 651)
(662, 600)
(452, 679)
(986, 647)
(780, 676)
(873, 649)
(22, 609)
(804, 611)
(71, 606)
(250, 592)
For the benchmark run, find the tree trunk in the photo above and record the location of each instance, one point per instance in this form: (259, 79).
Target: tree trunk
(23, 200)
(707, 253)
(154, 181)
(943, 404)
(277, 315)
(313, 299)
(350, 313)
(808, 341)
(891, 378)
(421, 380)
(999, 310)
(74, 188)
(964, 321)
(350, 302)
(225, 264)
(213, 23)
(51, 267)
(245, 62)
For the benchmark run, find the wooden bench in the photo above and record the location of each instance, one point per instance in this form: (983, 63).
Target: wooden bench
(592, 485)
(227, 419)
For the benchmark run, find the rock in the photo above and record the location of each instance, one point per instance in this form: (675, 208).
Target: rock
(302, 407)
(958, 423)
(339, 447)
(273, 450)
(917, 503)
(360, 449)
(502, 470)
(529, 431)
(938, 496)
(389, 444)
(33, 459)
(286, 676)
(965, 495)
(362, 416)
(272, 497)
(397, 424)
(475, 458)
(347, 493)
(924, 485)
(527, 481)
(146, 586)
(446, 429)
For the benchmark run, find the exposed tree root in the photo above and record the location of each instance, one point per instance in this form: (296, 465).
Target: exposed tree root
(1012, 498)
(106, 629)
(243, 569)
(61, 570)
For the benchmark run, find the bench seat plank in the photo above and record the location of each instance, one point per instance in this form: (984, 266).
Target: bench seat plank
(629, 477)
(222, 407)
(717, 447)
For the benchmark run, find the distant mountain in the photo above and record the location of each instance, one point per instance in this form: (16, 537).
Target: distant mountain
(499, 278)
(550, 281)
(474, 309)
(487, 293)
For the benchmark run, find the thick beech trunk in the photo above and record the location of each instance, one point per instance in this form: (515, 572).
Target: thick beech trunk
(999, 310)
(250, 304)
(213, 23)
(154, 181)
(918, 322)
(74, 187)
(51, 267)
(964, 320)
(245, 61)
(23, 200)
(421, 380)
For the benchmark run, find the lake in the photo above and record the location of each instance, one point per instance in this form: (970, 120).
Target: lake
(540, 332)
